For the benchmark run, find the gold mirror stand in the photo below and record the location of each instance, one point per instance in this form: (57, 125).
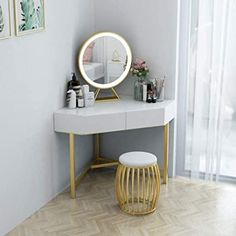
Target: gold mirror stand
(114, 95)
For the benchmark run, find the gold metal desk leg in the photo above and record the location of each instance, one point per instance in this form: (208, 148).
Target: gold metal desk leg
(166, 153)
(72, 166)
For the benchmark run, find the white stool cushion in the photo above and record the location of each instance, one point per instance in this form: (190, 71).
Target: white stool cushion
(137, 159)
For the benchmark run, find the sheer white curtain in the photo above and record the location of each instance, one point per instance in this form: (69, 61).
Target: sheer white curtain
(211, 73)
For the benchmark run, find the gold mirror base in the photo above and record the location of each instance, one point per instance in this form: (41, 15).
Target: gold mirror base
(114, 95)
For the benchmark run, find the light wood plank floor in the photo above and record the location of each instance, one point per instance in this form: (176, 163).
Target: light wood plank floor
(185, 208)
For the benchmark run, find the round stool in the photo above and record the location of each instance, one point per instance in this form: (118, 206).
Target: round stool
(138, 183)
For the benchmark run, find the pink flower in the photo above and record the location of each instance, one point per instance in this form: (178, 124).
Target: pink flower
(139, 61)
(139, 64)
(139, 68)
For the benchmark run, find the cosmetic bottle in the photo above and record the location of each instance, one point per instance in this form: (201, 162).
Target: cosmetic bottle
(89, 99)
(154, 97)
(74, 82)
(85, 89)
(149, 97)
(80, 100)
(71, 98)
(144, 92)
(149, 93)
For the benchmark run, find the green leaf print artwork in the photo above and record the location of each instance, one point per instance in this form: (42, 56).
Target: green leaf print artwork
(32, 18)
(1, 20)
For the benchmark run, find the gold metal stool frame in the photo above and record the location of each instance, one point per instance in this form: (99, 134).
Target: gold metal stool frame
(138, 189)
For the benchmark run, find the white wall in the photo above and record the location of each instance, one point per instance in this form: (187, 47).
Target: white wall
(33, 69)
(150, 27)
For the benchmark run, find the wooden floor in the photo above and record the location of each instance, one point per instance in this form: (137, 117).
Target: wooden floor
(185, 208)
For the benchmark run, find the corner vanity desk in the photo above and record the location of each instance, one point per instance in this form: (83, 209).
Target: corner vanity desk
(103, 117)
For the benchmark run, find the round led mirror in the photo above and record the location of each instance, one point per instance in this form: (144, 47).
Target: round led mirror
(105, 60)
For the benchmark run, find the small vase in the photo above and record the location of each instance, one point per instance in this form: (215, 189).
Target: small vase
(138, 89)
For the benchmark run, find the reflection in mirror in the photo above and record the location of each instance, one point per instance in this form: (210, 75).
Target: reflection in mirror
(105, 60)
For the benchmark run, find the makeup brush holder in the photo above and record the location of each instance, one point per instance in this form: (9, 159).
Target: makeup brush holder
(160, 90)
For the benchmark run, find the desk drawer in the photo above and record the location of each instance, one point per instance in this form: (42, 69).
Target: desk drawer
(102, 123)
(145, 119)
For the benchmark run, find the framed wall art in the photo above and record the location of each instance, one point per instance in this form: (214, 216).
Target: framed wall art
(5, 22)
(29, 16)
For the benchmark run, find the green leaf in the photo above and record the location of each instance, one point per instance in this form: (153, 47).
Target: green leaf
(1, 20)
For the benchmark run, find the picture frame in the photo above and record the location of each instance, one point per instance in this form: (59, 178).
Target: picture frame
(5, 19)
(29, 16)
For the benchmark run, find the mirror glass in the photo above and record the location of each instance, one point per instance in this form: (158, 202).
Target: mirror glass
(105, 60)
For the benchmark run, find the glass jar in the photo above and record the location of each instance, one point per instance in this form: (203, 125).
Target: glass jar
(138, 89)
